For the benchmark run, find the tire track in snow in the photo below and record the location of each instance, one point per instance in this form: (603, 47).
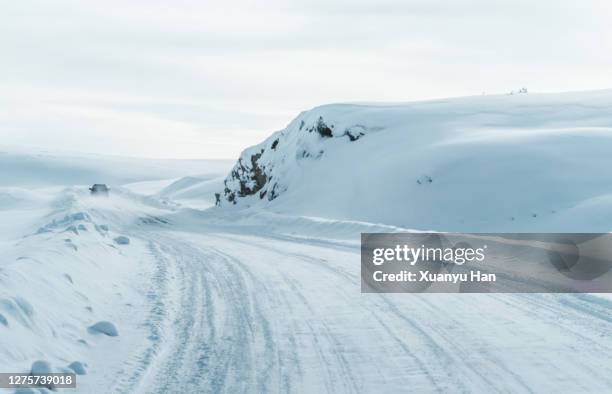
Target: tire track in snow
(216, 330)
(250, 323)
(430, 370)
(343, 367)
(452, 351)
(159, 299)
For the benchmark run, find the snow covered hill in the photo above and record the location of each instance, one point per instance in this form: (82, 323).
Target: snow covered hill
(525, 162)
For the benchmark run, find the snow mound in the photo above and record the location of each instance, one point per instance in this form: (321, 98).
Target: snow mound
(69, 222)
(488, 163)
(122, 240)
(104, 327)
(78, 367)
(40, 367)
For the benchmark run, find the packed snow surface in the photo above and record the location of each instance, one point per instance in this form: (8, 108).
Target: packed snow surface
(264, 295)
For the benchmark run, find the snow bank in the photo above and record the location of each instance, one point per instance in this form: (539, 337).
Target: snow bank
(122, 240)
(63, 281)
(104, 327)
(489, 163)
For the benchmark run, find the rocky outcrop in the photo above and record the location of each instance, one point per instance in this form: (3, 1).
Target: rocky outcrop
(248, 175)
(261, 171)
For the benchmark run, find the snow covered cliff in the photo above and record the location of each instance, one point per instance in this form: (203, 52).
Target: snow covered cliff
(516, 162)
(261, 170)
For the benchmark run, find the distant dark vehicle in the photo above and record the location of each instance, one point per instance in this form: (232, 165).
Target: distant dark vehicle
(99, 189)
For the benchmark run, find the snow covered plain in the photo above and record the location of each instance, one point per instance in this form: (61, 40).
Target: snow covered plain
(264, 295)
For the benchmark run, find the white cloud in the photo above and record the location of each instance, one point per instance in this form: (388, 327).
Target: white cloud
(207, 78)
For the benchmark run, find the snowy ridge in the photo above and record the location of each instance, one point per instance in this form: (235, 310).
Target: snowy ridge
(65, 286)
(490, 163)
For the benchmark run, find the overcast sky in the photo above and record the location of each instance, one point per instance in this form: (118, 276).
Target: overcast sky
(205, 79)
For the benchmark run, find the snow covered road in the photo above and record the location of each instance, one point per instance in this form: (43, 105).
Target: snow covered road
(243, 306)
(274, 316)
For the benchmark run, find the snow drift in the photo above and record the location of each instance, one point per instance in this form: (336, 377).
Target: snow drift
(489, 163)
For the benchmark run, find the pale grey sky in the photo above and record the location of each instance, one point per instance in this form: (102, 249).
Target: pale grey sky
(205, 79)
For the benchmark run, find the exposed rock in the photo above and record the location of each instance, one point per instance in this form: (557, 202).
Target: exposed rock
(323, 129)
(355, 132)
(251, 178)
(304, 139)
